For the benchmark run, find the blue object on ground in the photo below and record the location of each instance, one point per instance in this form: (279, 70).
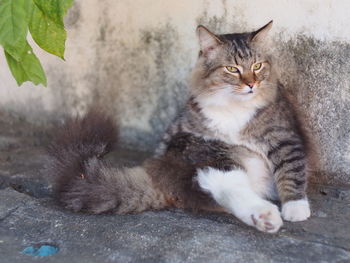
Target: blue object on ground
(42, 251)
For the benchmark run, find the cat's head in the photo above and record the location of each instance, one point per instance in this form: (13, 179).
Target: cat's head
(233, 67)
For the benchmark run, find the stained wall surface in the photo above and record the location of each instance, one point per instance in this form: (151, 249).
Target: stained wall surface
(134, 57)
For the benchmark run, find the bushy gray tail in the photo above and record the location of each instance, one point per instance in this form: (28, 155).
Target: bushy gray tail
(84, 182)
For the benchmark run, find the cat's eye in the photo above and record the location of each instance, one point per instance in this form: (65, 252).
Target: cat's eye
(232, 69)
(257, 66)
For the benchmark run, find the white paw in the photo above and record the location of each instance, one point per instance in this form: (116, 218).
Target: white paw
(296, 210)
(266, 217)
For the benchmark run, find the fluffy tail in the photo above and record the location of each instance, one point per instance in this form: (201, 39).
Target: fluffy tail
(84, 182)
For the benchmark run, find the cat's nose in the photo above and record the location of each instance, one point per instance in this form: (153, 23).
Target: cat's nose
(250, 84)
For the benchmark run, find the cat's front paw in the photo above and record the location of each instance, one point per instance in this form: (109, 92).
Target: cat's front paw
(267, 218)
(296, 210)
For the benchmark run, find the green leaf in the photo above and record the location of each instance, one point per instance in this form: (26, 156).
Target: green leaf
(13, 21)
(55, 10)
(45, 20)
(16, 48)
(16, 51)
(29, 9)
(49, 35)
(27, 68)
(47, 27)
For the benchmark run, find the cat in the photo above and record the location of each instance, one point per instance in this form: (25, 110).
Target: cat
(236, 146)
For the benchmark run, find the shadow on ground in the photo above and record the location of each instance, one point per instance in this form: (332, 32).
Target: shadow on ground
(29, 217)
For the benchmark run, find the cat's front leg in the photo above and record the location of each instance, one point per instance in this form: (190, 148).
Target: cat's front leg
(232, 190)
(290, 174)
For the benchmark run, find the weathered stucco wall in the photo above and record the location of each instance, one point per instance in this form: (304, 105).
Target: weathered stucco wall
(133, 57)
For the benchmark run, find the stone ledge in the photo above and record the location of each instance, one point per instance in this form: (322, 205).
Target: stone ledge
(32, 218)
(29, 216)
(167, 236)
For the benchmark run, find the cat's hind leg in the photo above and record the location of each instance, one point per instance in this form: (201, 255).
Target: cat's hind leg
(232, 190)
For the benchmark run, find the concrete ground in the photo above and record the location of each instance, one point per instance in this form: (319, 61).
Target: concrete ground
(29, 217)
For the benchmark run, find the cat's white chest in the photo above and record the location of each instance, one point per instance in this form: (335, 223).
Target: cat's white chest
(227, 122)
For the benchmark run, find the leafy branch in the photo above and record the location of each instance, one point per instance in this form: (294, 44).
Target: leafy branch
(44, 20)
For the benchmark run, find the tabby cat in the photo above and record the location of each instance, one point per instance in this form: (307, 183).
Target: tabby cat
(236, 146)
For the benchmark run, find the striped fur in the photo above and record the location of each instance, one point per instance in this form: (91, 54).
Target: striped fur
(263, 122)
(237, 143)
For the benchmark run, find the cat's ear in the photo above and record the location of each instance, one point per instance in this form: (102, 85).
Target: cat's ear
(207, 40)
(261, 33)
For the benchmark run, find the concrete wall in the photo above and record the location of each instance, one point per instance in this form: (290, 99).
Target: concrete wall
(133, 57)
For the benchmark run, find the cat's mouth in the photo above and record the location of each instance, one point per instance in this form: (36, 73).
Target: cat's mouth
(247, 93)
(243, 96)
